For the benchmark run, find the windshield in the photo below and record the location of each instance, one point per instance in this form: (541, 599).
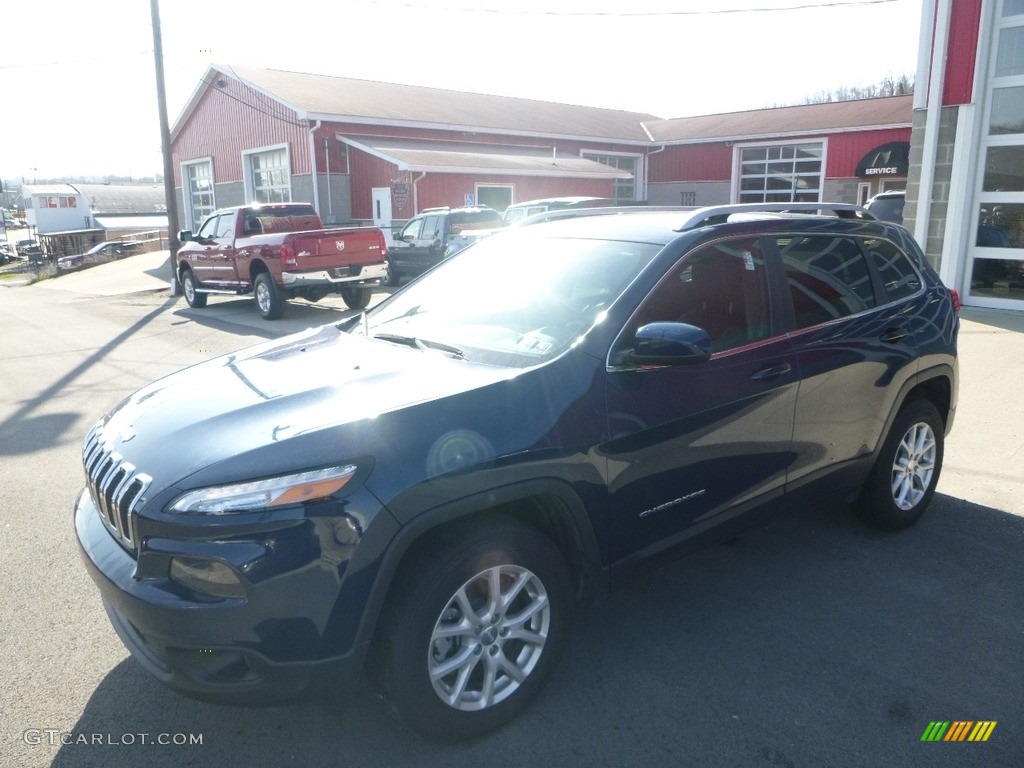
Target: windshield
(516, 299)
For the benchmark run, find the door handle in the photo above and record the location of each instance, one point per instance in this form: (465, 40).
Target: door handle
(772, 371)
(893, 335)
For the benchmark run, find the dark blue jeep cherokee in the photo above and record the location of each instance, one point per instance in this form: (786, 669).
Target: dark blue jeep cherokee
(425, 490)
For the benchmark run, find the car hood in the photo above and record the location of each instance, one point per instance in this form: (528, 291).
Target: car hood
(242, 404)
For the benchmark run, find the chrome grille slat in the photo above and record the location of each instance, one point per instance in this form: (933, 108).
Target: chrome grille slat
(115, 485)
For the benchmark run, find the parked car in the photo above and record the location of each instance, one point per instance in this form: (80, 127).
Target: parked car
(888, 206)
(6, 253)
(28, 249)
(518, 211)
(426, 489)
(276, 252)
(423, 242)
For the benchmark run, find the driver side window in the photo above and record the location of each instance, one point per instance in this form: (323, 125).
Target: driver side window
(721, 288)
(209, 228)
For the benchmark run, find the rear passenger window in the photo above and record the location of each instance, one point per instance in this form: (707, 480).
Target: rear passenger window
(894, 266)
(828, 277)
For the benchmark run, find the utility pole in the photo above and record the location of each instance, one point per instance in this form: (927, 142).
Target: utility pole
(165, 144)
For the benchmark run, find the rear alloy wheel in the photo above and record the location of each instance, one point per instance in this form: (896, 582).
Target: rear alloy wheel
(356, 296)
(477, 630)
(904, 478)
(269, 302)
(193, 297)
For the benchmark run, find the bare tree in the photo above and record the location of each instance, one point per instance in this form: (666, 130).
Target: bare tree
(889, 86)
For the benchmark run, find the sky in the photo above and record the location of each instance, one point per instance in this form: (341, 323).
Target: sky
(79, 78)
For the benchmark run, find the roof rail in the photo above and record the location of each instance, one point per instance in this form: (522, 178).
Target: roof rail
(717, 214)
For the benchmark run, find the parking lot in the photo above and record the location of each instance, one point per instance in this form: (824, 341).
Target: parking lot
(809, 641)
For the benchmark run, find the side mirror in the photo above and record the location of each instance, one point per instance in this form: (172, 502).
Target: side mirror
(184, 235)
(670, 344)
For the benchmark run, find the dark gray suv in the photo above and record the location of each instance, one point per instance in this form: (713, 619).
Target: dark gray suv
(425, 490)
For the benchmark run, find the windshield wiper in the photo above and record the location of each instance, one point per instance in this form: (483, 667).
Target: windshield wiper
(423, 344)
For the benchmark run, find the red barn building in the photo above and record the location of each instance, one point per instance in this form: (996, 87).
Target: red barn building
(378, 152)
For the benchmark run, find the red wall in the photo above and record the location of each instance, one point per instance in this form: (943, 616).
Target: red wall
(962, 50)
(845, 150)
(226, 123)
(695, 162)
(713, 162)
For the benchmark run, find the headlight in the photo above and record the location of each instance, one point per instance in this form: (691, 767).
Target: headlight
(265, 494)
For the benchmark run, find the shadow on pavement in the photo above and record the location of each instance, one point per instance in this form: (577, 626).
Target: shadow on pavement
(809, 641)
(23, 432)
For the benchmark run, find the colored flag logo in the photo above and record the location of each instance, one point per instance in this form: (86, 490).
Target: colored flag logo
(958, 730)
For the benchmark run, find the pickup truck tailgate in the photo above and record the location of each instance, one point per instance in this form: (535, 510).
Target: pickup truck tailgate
(359, 246)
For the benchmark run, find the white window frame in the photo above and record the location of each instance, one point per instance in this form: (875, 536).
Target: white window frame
(737, 164)
(639, 180)
(250, 185)
(986, 141)
(485, 185)
(187, 193)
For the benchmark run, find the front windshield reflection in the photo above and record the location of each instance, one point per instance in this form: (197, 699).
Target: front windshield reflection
(515, 299)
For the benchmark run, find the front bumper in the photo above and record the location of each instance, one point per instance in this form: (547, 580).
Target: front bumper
(358, 274)
(263, 648)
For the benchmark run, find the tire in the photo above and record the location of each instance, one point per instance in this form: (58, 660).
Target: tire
(391, 277)
(189, 287)
(356, 296)
(269, 301)
(904, 477)
(428, 630)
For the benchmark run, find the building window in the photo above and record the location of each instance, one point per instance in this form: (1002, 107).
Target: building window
(496, 196)
(623, 190)
(996, 266)
(199, 202)
(269, 175)
(781, 173)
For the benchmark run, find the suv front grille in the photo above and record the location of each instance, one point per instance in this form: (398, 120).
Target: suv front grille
(115, 486)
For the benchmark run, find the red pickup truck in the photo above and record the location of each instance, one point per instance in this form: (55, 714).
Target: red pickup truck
(277, 251)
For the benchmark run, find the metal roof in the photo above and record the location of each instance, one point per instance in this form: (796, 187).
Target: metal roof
(367, 102)
(343, 99)
(831, 117)
(108, 198)
(442, 157)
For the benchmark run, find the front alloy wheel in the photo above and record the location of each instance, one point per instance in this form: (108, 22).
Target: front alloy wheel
(489, 638)
(475, 628)
(193, 297)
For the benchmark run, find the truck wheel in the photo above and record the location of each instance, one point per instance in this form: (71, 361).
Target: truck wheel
(907, 470)
(356, 296)
(193, 297)
(269, 301)
(476, 629)
(391, 277)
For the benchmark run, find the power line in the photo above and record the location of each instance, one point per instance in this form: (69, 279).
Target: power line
(505, 11)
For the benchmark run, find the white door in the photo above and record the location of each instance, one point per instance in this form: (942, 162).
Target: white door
(382, 210)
